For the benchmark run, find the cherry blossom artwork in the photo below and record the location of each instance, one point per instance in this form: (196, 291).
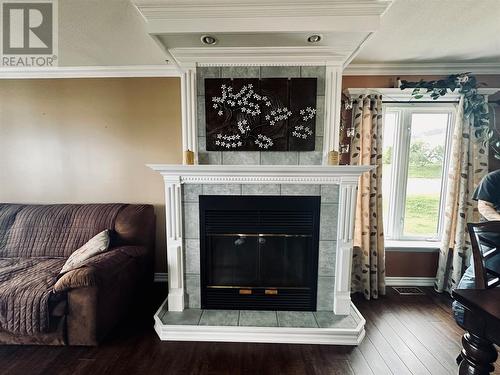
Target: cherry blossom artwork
(269, 114)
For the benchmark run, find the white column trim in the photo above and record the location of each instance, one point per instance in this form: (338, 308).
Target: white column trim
(345, 234)
(333, 96)
(175, 254)
(188, 108)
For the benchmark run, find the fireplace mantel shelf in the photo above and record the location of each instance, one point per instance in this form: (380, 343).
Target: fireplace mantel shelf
(258, 174)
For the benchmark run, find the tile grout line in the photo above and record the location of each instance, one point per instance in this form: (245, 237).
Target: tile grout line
(201, 315)
(315, 319)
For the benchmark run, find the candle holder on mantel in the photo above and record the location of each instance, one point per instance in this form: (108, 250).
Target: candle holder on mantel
(333, 158)
(189, 157)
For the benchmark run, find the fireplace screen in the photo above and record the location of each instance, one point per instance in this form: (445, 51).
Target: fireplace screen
(254, 260)
(259, 252)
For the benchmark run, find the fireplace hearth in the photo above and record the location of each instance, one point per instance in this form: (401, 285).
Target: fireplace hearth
(259, 252)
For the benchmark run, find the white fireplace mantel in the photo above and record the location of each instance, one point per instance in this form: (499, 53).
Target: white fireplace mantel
(259, 174)
(345, 176)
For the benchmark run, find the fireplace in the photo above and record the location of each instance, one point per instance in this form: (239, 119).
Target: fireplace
(259, 252)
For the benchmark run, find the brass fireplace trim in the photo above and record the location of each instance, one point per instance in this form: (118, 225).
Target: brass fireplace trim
(253, 287)
(271, 292)
(258, 235)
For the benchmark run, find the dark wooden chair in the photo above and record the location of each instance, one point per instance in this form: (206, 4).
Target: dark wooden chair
(485, 243)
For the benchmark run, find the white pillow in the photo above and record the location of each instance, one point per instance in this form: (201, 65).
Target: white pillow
(96, 245)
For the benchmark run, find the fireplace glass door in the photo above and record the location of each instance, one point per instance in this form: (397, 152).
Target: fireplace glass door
(253, 260)
(259, 252)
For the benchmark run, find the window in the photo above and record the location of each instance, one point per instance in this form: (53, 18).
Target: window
(416, 146)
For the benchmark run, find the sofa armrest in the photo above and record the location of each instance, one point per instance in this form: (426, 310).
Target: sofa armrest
(79, 278)
(98, 268)
(101, 292)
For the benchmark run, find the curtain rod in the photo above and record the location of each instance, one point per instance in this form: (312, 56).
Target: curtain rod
(417, 101)
(405, 96)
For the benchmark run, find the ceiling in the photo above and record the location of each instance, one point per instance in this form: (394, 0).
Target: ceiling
(432, 31)
(104, 33)
(113, 32)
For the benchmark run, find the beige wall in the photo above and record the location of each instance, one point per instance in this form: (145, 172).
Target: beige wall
(87, 140)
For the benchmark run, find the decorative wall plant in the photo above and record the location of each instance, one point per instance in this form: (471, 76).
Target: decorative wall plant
(271, 114)
(475, 105)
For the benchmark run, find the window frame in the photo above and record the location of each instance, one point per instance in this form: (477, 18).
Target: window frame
(394, 222)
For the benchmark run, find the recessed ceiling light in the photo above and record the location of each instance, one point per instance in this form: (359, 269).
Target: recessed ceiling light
(208, 40)
(315, 38)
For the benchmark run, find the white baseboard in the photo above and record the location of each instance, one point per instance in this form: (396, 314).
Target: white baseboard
(410, 281)
(161, 277)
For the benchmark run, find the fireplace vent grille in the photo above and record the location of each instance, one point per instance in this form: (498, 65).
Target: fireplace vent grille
(244, 221)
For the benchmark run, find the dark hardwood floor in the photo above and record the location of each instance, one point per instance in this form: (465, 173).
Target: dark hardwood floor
(405, 335)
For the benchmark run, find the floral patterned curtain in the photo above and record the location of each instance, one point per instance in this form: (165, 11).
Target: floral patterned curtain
(345, 131)
(468, 165)
(368, 273)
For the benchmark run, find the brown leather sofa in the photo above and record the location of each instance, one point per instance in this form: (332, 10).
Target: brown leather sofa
(81, 306)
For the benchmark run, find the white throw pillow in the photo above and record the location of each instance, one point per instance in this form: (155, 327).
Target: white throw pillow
(96, 245)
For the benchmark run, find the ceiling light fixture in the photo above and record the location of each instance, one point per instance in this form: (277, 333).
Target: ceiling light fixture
(315, 38)
(208, 40)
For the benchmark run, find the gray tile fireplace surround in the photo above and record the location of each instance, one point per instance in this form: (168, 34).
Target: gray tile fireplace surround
(327, 244)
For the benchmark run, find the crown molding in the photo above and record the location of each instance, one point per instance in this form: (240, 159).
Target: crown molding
(252, 56)
(91, 72)
(188, 9)
(420, 69)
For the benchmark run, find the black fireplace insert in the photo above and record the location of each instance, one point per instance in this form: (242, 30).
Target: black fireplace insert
(259, 252)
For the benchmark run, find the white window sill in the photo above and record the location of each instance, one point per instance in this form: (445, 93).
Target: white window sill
(417, 245)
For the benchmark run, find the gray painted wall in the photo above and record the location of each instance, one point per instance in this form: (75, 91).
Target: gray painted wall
(261, 157)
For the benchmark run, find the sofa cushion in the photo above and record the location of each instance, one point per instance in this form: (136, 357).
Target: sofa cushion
(52, 230)
(96, 245)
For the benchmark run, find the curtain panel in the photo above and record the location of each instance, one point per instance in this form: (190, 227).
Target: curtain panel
(468, 165)
(368, 272)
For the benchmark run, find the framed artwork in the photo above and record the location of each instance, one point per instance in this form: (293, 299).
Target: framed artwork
(269, 114)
